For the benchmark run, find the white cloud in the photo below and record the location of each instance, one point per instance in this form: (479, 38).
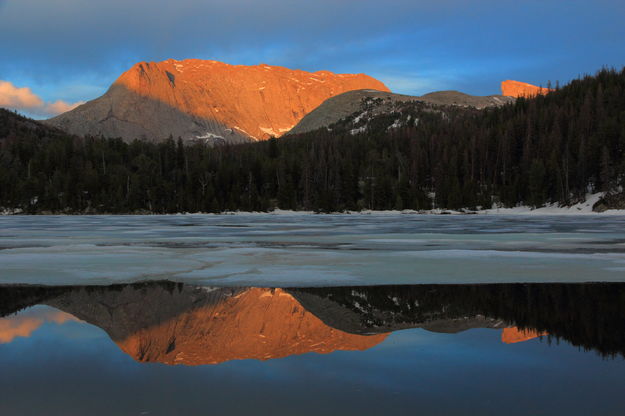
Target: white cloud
(24, 324)
(60, 106)
(22, 98)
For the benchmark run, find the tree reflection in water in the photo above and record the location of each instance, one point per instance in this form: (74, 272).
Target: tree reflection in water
(174, 323)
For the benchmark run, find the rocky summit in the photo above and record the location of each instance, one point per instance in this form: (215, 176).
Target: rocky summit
(207, 101)
(521, 89)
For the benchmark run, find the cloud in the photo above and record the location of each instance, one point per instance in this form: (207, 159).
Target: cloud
(19, 98)
(13, 328)
(22, 98)
(60, 106)
(24, 325)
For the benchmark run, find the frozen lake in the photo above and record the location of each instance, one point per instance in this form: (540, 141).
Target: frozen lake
(267, 250)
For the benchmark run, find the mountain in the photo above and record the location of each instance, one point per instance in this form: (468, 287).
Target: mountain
(521, 89)
(174, 323)
(383, 309)
(196, 326)
(585, 315)
(370, 103)
(207, 101)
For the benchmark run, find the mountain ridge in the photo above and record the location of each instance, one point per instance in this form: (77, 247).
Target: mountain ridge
(200, 325)
(517, 89)
(207, 100)
(374, 103)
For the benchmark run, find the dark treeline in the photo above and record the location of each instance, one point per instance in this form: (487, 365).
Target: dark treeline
(552, 148)
(587, 315)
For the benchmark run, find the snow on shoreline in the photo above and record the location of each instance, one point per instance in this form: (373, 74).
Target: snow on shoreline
(582, 208)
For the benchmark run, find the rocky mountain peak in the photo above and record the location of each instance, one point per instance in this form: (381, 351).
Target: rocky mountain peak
(517, 89)
(199, 99)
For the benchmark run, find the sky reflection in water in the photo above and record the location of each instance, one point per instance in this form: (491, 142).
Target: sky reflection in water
(101, 350)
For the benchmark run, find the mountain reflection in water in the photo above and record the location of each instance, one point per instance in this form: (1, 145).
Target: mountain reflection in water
(174, 323)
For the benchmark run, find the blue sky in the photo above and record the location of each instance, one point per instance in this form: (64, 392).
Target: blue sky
(72, 50)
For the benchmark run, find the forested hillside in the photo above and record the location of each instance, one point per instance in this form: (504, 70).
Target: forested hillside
(553, 148)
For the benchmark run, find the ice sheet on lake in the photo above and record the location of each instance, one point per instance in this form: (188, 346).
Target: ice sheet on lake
(311, 250)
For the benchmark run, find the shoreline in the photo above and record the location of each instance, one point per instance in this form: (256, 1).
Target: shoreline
(583, 208)
(512, 212)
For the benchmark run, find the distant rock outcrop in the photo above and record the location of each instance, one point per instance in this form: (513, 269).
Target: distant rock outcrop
(521, 89)
(513, 335)
(208, 101)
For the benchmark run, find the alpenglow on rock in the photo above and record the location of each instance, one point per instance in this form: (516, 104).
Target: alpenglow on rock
(521, 89)
(207, 101)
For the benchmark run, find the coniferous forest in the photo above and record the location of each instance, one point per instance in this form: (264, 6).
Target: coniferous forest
(553, 148)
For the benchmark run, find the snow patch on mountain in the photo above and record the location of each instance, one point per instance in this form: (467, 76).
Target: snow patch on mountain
(268, 130)
(209, 136)
(396, 124)
(358, 130)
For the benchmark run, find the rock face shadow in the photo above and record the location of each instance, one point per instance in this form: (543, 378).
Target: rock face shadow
(123, 113)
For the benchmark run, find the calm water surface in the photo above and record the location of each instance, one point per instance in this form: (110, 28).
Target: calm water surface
(163, 348)
(310, 315)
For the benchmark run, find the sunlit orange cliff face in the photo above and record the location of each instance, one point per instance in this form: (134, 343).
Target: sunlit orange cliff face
(256, 323)
(521, 89)
(257, 101)
(513, 335)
